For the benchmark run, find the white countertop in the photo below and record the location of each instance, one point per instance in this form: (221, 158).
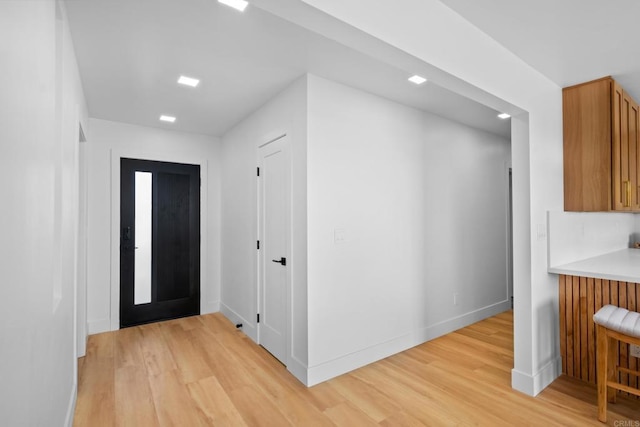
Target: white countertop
(622, 265)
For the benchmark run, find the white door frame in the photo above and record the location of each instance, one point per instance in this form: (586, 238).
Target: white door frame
(288, 254)
(80, 288)
(509, 233)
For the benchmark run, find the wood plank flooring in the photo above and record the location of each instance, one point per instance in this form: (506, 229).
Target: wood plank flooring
(200, 371)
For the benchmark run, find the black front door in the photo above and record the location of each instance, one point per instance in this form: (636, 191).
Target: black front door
(159, 241)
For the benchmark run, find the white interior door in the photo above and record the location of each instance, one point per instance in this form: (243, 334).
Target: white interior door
(274, 235)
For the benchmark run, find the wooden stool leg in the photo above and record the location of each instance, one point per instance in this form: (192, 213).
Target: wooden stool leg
(601, 373)
(612, 367)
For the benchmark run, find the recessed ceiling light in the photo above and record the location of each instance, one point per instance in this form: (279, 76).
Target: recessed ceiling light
(503, 116)
(188, 81)
(169, 119)
(236, 4)
(417, 79)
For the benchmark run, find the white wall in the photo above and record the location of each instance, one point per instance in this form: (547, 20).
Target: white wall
(422, 204)
(41, 106)
(286, 113)
(108, 142)
(465, 185)
(457, 55)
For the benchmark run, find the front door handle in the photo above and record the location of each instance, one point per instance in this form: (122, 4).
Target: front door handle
(282, 261)
(126, 233)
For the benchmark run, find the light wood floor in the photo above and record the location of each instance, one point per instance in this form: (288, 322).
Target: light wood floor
(201, 371)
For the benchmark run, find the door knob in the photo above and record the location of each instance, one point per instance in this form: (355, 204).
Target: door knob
(282, 261)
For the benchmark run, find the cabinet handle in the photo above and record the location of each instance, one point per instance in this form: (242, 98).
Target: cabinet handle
(627, 191)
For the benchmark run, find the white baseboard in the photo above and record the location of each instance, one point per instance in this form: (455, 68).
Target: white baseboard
(333, 368)
(71, 407)
(248, 328)
(98, 326)
(207, 307)
(298, 369)
(447, 326)
(341, 365)
(534, 384)
(547, 375)
(522, 382)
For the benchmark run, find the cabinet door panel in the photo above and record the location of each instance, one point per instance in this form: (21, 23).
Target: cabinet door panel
(627, 177)
(587, 146)
(634, 153)
(619, 172)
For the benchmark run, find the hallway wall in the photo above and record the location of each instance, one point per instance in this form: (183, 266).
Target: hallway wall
(41, 105)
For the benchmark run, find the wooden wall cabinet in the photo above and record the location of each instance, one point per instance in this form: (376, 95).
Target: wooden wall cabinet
(601, 148)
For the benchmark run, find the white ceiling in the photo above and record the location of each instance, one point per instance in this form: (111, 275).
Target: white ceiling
(131, 52)
(569, 41)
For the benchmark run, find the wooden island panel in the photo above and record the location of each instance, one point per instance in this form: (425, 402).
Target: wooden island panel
(580, 298)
